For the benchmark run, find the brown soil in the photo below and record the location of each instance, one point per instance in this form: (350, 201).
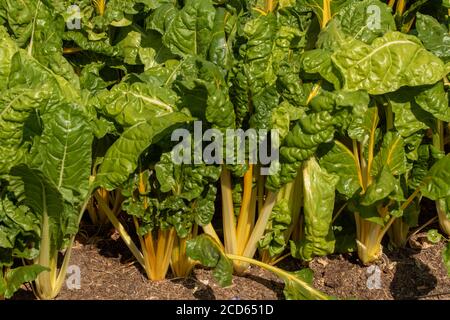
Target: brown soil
(109, 272)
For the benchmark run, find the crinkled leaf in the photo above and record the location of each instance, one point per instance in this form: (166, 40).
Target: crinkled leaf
(14, 278)
(208, 252)
(390, 62)
(319, 194)
(436, 184)
(122, 158)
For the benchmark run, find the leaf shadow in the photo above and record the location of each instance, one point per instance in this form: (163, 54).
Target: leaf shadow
(412, 278)
(203, 292)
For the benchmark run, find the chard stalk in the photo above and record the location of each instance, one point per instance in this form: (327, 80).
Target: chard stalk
(326, 17)
(259, 229)
(438, 142)
(123, 233)
(244, 224)
(400, 9)
(281, 273)
(229, 224)
(209, 230)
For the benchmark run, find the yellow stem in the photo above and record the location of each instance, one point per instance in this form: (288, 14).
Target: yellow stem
(371, 148)
(279, 272)
(244, 223)
(229, 224)
(260, 226)
(270, 6)
(123, 233)
(148, 265)
(314, 92)
(209, 230)
(326, 13)
(358, 165)
(401, 4)
(339, 212)
(391, 3)
(71, 50)
(280, 259)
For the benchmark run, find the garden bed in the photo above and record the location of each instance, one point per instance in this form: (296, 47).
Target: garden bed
(109, 272)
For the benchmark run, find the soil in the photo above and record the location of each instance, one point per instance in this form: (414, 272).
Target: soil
(108, 272)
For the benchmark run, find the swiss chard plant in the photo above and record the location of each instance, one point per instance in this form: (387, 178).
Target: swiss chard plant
(92, 91)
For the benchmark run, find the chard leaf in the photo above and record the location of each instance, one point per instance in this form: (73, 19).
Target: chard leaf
(392, 154)
(64, 151)
(14, 278)
(319, 194)
(390, 62)
(409, 117)
(297, 284)
(122, 158)
(384, 185)
(7, 50)
(210, 254)
(357, 19)
(189, 32)
(132, 104)
(434, 99)
(436, 184)
(446, 257)
(319, 61)
(43, 197)
(340, 161)
(434, 36)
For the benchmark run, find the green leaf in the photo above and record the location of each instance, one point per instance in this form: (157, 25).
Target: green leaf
(434, 99)
(392, 61)
(358, 20)
(132, 104)
(319, 61)
(409, 117)
(14, 279)
(43, 197)
(190, 31)
(7, 50)
(383, 186)
(122, 158)
(436, 184)
(64, 151)
(295, 289)
(391, 154)
(319, 194)
(446, 257)
(435, 36)
(434, 236)
(208, 252)
(340, 161)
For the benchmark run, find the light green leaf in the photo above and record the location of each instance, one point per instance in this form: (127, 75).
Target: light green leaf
(189, 32)
(436, 185)
(339, 160)
(319, 194)
(434, 99)
(14, 279)
(64, 151)
(391, 154)
(366, 20)
(446, 256)
(434, 36)
(122, 158)
(208, 252)
(132, 104)
(392, 61)
(434, 236)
